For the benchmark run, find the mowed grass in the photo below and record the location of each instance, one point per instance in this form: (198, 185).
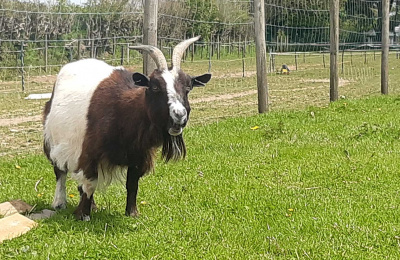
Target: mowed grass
(321, 183)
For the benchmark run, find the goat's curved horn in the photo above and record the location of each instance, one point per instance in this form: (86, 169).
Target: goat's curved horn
(179, 50)
(155, 53)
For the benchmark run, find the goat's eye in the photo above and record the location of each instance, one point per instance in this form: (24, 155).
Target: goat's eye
(188, 89)
(155, 88)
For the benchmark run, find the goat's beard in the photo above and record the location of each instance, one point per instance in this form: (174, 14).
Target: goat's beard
(173, 148)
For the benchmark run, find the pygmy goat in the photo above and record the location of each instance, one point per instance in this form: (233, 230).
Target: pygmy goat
(101, 120)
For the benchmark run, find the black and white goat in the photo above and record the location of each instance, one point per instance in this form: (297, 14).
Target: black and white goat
(102, 119)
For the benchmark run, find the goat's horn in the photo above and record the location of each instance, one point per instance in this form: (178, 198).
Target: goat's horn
(155, 53)
(179, 50)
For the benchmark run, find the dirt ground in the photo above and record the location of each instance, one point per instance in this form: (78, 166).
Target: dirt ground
(43, 79)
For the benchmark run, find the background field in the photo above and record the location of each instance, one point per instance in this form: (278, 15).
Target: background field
(231, 93)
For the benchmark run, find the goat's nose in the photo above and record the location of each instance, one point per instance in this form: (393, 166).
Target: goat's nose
(180, 115)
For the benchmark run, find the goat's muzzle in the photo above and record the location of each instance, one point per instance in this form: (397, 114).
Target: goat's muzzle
(175, 130)
(178, 121)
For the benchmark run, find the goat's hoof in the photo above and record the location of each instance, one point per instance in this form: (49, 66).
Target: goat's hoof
(85, 218)
(59, 205)
(133, 214)
(79, 215)
(82, 217)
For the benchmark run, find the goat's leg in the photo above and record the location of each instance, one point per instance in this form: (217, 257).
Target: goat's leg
(132, 185)
(88, 186)
(93, 206)
(60, 196)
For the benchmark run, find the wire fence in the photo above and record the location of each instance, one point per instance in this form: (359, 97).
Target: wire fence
(37, 39)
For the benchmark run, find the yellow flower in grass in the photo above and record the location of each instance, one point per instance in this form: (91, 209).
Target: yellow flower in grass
(255, 127)
(17, 166)
(143, 202)
(71, 195)
(290, 212)
(40, 195)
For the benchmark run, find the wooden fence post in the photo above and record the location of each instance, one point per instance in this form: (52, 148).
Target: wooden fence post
(385, 48)
(114, 47)
(79, 47)
(127, 52)
(262, 85)
(45, 52)
(192, 58)
(92, 50)
(243, 63)
(149, 33)
(334, 49)
(209, 56)
(342, 60)
(21, 57)
(122, 55)
(218, 48)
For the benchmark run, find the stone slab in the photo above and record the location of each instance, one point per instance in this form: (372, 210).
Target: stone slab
(21, 206)
(7, 209)
(46, 213)
(14, 226)
(14, 206)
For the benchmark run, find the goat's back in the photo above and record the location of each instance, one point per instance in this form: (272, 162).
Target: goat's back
(65, 124)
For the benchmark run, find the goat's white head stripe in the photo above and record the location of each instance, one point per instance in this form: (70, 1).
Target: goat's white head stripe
(176, 109)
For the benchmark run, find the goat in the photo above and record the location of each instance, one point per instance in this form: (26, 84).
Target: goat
(101, 119)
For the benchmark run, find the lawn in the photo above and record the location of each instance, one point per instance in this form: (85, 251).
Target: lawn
(318, 183)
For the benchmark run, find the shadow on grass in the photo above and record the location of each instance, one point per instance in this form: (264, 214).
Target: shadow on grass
(102, 221)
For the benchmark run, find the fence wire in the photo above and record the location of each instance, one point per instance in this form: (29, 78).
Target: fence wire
(37, 38)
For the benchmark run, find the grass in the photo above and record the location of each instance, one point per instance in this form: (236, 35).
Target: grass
(320, 183)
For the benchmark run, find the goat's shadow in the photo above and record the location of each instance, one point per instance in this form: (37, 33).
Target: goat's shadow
(103, 220)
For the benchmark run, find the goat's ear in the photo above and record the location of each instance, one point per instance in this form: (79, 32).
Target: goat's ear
(140, 79)
(200, 81)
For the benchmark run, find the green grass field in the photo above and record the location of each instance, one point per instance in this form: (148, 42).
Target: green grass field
(317, 183)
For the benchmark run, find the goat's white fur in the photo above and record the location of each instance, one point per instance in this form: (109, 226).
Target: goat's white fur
(176, 109)
(65, 125)
(60, 196)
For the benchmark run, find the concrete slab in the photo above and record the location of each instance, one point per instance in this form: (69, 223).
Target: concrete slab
(14, 226)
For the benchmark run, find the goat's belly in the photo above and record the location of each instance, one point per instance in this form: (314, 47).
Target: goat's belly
(65, 130)
(107, 174)
(65, 126)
